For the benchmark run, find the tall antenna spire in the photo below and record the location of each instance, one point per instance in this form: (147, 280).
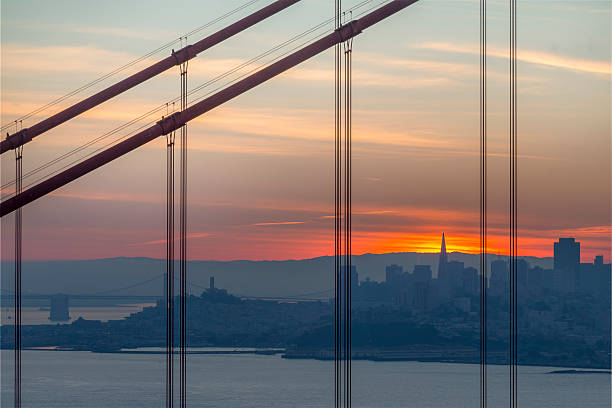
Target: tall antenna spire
(443, 250)
(443, 258)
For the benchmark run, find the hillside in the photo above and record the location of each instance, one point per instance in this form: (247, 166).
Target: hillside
(253, 278)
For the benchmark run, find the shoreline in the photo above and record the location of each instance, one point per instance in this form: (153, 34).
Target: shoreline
(377, 356)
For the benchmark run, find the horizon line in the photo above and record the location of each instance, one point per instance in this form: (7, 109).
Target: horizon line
(270, 260)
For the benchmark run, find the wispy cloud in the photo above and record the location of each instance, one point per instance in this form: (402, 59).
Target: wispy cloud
(159, 33)
(422, 65)
(434, 70)
(596, 7)
(189, 236)
(119, 32)
(369, 78)
(529, 56)
(261, 224)
(111, 196)
(603, 231)
(373, 126)
(17, 58)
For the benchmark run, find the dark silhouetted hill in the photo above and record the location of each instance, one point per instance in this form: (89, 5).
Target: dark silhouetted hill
(144, 276)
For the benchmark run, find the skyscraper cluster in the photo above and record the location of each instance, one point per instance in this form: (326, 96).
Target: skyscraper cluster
(419, 289)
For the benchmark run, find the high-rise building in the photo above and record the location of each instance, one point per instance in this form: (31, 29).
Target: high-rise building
(60, 306)
(442, 261)
(499, 277)
(469, 280)
(425, 295)
(588, 279)
(598, 282)
(566, 264)
(212, 283)
(604, 271)
(522, 268)
(421, 273)
(539, 279)
(567, 254)
(454, 269)
(393, 273)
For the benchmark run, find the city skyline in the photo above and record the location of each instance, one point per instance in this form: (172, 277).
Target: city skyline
(256, 203)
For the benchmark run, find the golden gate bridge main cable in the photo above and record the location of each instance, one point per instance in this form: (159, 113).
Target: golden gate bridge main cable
(127, 65)
(177, 119)
(177, 58)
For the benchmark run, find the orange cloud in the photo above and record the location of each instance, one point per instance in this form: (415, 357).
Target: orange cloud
(114, 197)
(278, 223)
(189, 236)
(438, 67)
(17, 58)
(369, 78)
(529, 56)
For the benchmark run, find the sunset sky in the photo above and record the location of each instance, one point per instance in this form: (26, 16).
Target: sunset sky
(261, 166)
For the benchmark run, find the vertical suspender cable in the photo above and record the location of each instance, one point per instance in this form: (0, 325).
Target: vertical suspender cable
(18, 241)
(515, 245)
(347, 217)
(347, 222)
(483, 203)
(170, 269)
(511, 217)
(337, 211)
(513, 212)
(183, 240)
(346, 271)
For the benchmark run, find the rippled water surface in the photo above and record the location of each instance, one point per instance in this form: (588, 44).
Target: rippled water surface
(84, 379)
